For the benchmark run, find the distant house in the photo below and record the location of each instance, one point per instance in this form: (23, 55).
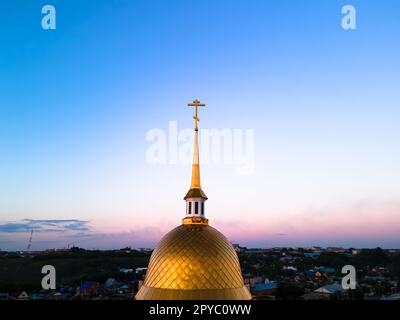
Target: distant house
(87, 288)
(395, 296)
(376, 278)
(55, 296)
(23, 296)
(123, 289)
(264, 289)
(37, 296)
(313, 273)
(238, 248)
(290, 268)
(327, 270)
(335, 249)
(112, 283)
(330, 289)
(67, 289)
(312, 254)
(310, 273)
(254, 280)
(286, 257)
(139, 270)
(314, 248)
(125, 270)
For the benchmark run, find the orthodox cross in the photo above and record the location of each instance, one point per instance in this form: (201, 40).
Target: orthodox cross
(196, 103)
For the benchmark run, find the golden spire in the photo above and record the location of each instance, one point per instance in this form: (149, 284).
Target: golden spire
(195, 186)
(196, 163)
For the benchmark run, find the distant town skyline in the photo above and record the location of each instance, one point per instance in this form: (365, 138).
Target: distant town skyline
(78, 102)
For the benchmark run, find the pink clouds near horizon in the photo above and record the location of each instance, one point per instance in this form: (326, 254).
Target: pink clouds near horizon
(366, 223)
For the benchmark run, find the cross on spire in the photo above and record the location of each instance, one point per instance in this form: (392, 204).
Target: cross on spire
(196, 103)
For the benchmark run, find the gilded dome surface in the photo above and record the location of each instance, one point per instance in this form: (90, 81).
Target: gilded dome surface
(193, 261)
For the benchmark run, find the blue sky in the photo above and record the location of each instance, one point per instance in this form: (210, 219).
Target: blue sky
(77, 102)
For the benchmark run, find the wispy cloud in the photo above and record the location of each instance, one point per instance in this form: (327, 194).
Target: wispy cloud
(64, 233)
(53, 225)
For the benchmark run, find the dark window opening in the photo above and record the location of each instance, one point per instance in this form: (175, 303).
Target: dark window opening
(190, 207)
(196, 207)
(202, 208)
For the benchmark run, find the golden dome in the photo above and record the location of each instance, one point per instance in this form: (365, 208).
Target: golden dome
(194, 262)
